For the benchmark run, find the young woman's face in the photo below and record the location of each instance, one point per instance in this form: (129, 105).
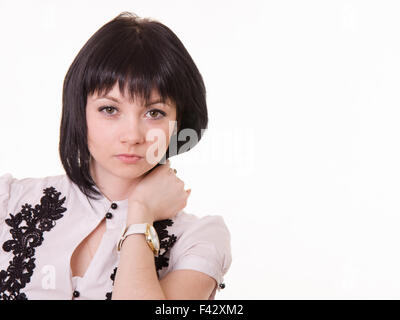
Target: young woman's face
(118, 126)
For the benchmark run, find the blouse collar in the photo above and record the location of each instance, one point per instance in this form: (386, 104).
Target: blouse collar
(114, 211)
(117, 209)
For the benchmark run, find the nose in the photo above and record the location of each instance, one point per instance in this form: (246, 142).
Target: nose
(132, 131)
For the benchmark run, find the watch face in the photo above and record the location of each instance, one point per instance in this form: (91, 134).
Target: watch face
(154, 238)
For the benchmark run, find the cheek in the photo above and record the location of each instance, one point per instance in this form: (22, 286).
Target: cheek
(98, 136)
(161, 135)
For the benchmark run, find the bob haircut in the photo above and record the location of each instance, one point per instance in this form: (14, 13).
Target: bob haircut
(142, 55)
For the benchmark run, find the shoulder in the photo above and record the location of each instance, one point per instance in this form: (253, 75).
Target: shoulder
(209, 227)
(9, 182)
(14, 192)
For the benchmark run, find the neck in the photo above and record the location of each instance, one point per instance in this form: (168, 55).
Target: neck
(114, 188)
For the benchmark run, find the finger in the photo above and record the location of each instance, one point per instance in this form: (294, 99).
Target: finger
(188, 191)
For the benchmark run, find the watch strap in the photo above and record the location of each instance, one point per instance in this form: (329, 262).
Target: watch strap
(137, 228)
(140, 228)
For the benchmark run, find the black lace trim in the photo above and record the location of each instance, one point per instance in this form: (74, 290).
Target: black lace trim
(26, 238)
(166, 243)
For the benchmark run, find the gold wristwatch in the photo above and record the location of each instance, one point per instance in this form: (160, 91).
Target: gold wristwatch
(146, 229)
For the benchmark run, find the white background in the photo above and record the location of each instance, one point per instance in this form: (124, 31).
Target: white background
(302, 153)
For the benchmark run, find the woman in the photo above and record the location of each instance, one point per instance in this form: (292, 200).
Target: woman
(113, 227)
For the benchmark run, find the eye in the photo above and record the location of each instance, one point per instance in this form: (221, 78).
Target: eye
(109, 110)
(154, 112)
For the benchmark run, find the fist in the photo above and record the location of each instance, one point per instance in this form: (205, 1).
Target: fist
(159, 195)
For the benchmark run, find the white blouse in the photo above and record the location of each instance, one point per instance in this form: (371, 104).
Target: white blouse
(43, 220)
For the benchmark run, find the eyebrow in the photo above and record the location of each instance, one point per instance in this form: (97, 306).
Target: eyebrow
(147, 105)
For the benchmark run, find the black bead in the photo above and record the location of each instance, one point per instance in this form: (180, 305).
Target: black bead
(76, 294)
(114, 206)
(222, 285)
(109, 215)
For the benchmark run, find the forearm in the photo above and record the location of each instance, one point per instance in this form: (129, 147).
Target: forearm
(136, 276)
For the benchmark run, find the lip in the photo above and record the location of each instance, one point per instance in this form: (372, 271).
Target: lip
(129, 155)
(129, 158)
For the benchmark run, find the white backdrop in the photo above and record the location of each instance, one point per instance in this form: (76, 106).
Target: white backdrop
(302, 153)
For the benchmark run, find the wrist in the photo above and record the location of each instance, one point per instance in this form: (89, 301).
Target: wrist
(138, 212)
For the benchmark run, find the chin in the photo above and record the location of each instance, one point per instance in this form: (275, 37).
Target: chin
(128, 173)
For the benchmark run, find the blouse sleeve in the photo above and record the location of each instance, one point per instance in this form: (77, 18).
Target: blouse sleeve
(204, 246)
(5, 186)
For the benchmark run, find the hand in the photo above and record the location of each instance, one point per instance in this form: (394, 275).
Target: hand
(159, 195)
